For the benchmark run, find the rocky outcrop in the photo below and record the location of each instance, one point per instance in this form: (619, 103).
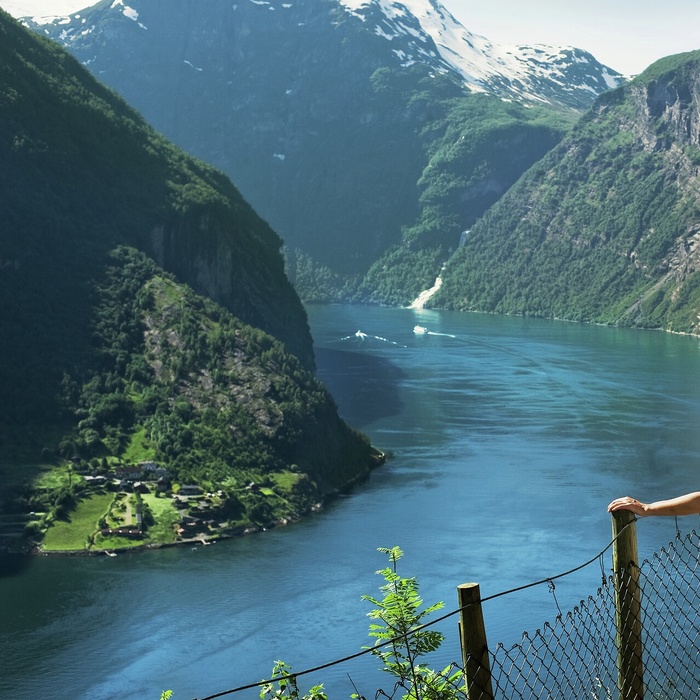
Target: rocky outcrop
(249, 280)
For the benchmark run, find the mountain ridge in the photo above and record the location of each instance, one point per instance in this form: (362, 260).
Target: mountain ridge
(536, 72)
(606, 226)
(332, 134)
(436, 37)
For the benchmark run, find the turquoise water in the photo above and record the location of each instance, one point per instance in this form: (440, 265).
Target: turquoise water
(509, 437)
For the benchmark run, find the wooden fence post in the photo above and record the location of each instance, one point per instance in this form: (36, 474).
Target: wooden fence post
(628, 607)
(472, 634)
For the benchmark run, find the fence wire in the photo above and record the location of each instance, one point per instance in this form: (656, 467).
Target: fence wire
(670, 589)
(576, 656)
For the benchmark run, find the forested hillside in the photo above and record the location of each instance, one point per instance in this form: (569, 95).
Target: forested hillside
(366, 151)
(605, 227)
(478, 148)
(105, 358)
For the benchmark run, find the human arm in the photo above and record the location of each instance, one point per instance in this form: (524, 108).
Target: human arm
(688, 504)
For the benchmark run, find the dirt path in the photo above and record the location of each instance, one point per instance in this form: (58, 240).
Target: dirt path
(128, 516)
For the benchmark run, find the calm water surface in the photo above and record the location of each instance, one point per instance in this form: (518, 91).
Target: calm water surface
(509, 437)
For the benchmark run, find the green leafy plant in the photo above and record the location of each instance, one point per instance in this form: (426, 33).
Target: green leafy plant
(401, 637)
(283, 686)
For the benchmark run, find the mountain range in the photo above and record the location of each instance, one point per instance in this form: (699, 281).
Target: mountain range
(151, 313)
(369, 135)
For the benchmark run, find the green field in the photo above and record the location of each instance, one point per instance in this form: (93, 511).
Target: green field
(73, 534)
(166, 516)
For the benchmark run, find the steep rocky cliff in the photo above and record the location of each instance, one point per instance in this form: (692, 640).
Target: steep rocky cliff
(145, 311)
(77, 158)
(606, 226)
(244, 273)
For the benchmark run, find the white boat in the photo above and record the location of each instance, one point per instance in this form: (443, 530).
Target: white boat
(420, 330)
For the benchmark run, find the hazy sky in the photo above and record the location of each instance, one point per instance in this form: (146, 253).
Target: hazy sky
(626, 35)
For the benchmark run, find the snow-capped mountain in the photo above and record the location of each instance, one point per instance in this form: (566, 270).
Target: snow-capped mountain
(423, 30)
(343, 122)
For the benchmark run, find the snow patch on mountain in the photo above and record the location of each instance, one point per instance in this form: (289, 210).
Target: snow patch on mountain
(515, 71)
(50, 19)
(71, 34)
(127, 11)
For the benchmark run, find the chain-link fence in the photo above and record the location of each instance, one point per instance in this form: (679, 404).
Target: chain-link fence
(580, 656)
(588, 652)
(572, 658)
(671, 620)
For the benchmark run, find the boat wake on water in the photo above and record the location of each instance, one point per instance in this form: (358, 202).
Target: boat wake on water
(362, 337)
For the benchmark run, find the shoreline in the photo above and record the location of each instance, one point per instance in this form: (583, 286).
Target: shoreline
(204, 540)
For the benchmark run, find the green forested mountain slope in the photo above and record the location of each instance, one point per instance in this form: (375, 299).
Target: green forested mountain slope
(605, 227)
(177, 376)
(368, 163)
(106, 359)
(479, 146)
(78, 159)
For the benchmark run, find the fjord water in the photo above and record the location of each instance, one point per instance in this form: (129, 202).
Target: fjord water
(508, 438)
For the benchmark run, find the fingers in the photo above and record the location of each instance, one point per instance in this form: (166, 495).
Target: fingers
(626, 503)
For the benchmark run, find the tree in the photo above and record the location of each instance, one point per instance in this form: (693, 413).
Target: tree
(401, 637)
